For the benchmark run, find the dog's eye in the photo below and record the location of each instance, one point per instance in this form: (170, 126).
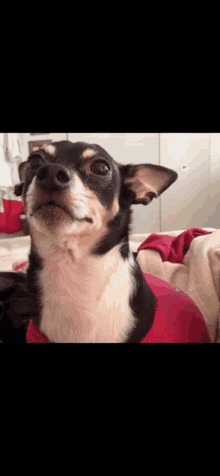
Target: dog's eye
(100, 168)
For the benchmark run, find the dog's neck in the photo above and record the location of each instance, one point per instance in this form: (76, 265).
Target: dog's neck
(85, 298)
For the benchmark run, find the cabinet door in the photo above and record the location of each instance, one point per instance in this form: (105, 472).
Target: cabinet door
(187, 203)
(136, 149)
(214, 219)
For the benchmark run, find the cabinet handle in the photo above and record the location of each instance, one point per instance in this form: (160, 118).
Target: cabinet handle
(184, 167)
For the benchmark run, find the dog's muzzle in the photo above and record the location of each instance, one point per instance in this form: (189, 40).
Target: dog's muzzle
(52, 177)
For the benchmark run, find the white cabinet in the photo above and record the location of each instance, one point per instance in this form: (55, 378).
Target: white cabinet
(187, 203)
(214, 212)
(194, 199)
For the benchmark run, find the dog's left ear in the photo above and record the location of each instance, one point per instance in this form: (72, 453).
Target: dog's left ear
(141, 183)
(22, 171)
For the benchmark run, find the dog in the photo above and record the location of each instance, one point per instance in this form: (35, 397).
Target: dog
(85, 283)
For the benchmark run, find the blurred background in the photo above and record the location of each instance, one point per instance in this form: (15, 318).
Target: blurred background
(192, 201)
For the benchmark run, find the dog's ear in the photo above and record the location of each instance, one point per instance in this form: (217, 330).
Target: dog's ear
(141, 183)
(22, 171)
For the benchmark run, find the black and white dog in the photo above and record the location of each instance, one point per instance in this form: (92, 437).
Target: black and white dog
(85, 283)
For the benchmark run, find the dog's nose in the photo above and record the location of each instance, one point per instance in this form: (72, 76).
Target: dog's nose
(52, 177)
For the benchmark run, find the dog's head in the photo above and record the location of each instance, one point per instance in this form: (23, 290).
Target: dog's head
(79, 189)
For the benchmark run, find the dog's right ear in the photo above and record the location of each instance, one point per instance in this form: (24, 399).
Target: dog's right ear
(143, 182)
(22, 171)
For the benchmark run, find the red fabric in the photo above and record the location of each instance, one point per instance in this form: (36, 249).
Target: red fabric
(10, 221)
(172, 248)
(19, 266)
(34, 335)
(177, 318)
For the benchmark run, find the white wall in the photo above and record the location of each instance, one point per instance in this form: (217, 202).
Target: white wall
(192, 201)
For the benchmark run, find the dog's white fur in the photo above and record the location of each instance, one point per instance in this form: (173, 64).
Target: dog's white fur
(84, 300)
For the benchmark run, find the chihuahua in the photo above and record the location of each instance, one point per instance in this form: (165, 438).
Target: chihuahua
(85, 283)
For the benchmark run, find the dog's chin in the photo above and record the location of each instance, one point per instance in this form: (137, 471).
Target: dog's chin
(51, 211)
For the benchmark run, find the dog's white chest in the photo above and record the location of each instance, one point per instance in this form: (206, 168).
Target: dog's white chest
(86, 310)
